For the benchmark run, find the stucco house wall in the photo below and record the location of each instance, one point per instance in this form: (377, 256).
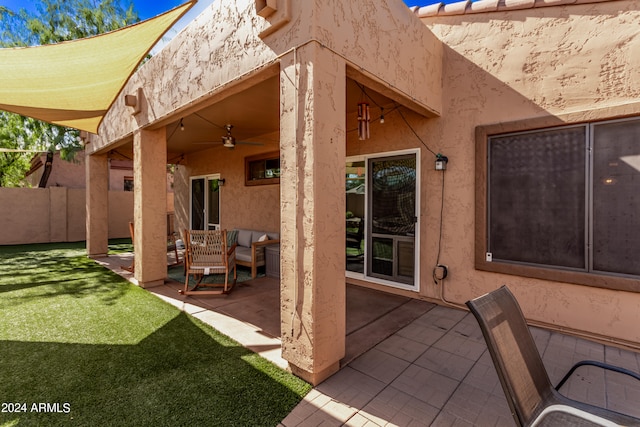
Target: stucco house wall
(551, 65)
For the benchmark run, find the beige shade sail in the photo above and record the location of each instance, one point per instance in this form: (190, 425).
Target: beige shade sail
(74, 83)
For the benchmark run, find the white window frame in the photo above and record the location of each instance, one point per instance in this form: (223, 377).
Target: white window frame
(206, 196)
(363, 276)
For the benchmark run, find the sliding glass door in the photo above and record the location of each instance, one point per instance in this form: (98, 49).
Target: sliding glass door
(356, 181)
(392, 208)
(205, 203)
(382, 219)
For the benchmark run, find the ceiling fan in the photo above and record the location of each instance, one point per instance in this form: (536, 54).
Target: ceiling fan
(228, 140)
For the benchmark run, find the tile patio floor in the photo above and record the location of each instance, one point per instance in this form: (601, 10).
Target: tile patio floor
(426, 365)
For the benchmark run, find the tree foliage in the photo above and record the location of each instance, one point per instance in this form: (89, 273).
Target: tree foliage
(12, 165)
(54, 21)
(61, 20)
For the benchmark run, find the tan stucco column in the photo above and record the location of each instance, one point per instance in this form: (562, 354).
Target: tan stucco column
(150, 206)
(312, 155)
(97, 205)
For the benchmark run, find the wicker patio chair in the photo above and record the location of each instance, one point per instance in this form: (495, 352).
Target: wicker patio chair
(531, 397)
(206, 254)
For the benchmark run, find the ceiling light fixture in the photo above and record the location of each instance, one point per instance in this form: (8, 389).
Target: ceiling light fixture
(228, 140)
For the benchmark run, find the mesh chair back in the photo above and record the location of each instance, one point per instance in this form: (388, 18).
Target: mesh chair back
(522, 374)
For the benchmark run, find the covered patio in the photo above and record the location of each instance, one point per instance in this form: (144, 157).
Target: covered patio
(290, 83)
(289, 77)
(251, 315)
(408, 362)
(294, 96)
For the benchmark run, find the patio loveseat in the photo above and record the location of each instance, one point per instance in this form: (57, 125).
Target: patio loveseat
(250, 247)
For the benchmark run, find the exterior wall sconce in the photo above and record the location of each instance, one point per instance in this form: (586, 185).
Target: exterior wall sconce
(221, 182)
(134, 101)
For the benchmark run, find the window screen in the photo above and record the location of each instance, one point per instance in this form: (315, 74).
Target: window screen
(616, 197)
(537, 195)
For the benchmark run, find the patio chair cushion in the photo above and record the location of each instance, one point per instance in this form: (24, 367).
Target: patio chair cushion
(232, 237)
(243, 254)
(244, 238)
(256, 236)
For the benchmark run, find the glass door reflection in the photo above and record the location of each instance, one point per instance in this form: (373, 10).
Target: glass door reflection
(393, 218)
(355, 223)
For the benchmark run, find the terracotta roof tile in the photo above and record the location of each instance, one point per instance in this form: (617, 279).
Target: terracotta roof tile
(483, 6)
(480, 6)
(457, 8)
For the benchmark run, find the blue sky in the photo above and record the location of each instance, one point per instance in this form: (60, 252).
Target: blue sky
(150, 8)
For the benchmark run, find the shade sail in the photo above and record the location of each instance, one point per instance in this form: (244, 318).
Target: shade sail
(74, 83)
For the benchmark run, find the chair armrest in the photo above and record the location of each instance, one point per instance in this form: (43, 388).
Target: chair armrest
(255, 246)
(232, 249)
(599, 365)
(265, 242)
(559, 414)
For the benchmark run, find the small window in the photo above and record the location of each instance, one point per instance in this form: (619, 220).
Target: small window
(128, 183)
(262, 169)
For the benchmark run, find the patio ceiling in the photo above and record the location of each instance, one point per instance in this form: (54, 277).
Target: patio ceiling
(254, 114)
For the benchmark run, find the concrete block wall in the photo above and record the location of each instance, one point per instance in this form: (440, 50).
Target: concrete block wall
(56, 214)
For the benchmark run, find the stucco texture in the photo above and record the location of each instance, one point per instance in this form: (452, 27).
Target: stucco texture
(560, 62)
(56, 214)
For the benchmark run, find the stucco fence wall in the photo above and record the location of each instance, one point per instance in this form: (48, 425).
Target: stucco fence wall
(56, 214)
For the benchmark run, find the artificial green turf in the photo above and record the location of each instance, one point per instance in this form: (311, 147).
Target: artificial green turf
(102, 352)
(117, 246)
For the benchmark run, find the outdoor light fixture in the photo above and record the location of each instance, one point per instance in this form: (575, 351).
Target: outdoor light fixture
(221, 182)
(363, 120)
(228, 140)
(381, 115)
(181, 125)
(441, 162)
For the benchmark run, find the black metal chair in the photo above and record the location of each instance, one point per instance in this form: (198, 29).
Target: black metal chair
(531, 397)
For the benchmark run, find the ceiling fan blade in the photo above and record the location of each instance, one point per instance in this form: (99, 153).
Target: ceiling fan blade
(228, 140)
(220, 143)
(249, 143)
